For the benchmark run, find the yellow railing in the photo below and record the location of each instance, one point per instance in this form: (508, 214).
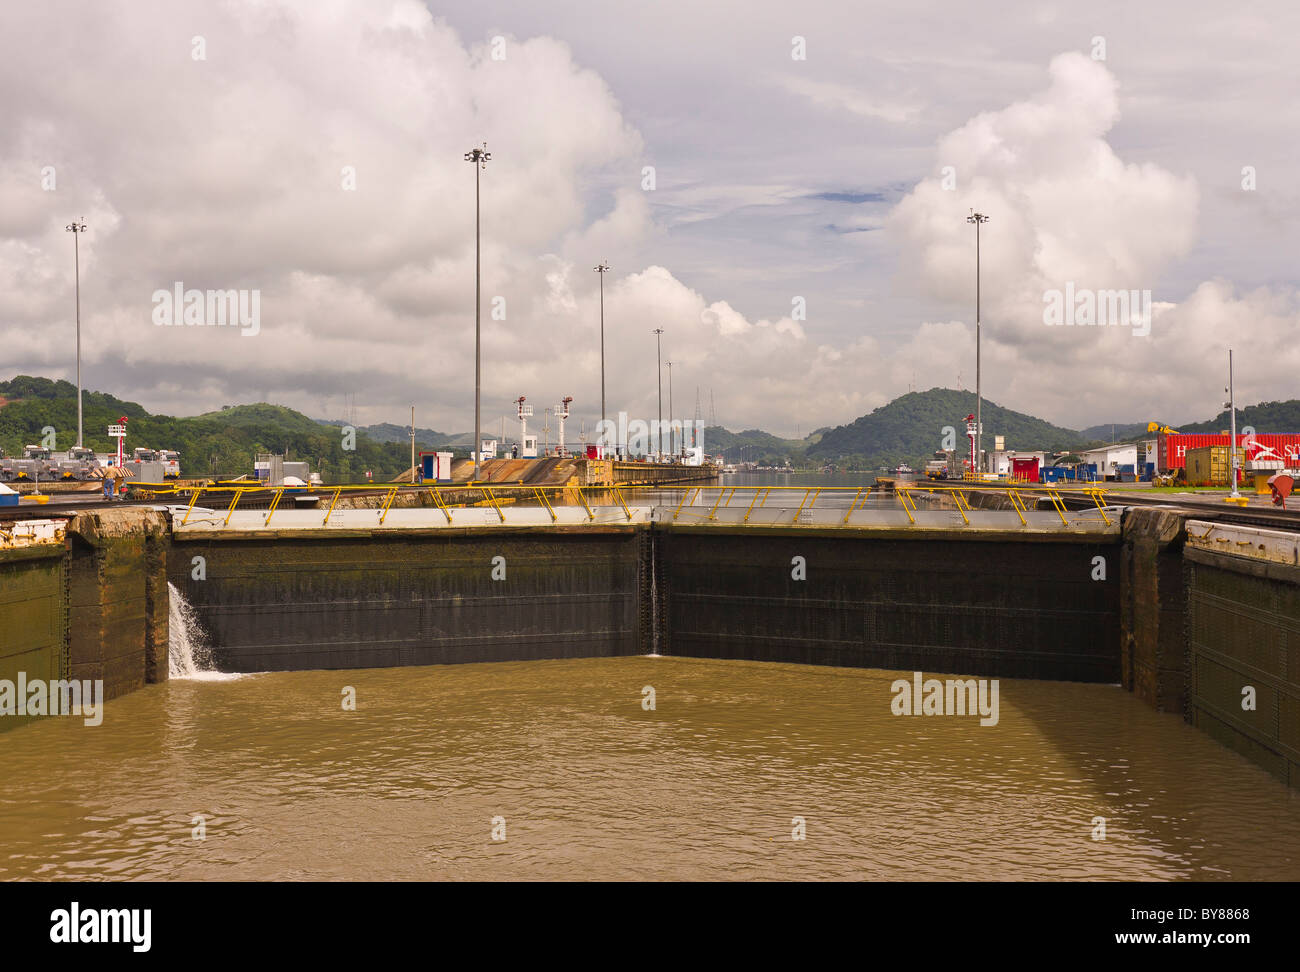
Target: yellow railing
(446, 498)
(1016, 492)
(694, 501)
(1021, 496)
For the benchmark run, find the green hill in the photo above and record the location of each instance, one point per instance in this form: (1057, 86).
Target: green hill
(1116, 432)
(427, 439)
(216, 443)
(1266, 417)
(751, 445)
(911, 428)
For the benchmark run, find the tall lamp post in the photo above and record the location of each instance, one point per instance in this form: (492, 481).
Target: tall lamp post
(1232, 442)
(672, 446)
(76, 229)
(977, 219)
(659, 358)
(479, 158)
(602, 268)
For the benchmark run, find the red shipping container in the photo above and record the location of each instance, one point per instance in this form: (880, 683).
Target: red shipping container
(1173, 447)
(1025, 470)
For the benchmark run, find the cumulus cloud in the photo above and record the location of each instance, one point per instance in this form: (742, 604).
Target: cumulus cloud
(232, 171)
(1067, 212)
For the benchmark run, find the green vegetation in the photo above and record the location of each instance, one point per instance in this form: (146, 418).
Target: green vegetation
(908, 429)
(218, 443)
(388, 432)
(911, 428)
(752, 445)
(1266, 417)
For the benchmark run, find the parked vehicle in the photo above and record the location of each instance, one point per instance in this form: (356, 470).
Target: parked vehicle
(34, 464)
(77, 464)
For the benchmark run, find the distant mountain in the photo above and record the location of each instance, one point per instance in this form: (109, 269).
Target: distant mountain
(911, 428)
(223, 442)
(751, 445)
(426, 439)
(1116, 432)
(1264, 417)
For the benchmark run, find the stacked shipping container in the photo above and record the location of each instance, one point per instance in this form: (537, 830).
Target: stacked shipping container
(1173, 447)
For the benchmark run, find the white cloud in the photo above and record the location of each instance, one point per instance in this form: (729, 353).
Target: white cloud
(227, 173)
(828, 94)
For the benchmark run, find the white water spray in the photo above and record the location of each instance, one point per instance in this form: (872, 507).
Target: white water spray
(189, 655)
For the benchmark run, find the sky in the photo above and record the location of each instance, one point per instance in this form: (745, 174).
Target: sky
(783, 189)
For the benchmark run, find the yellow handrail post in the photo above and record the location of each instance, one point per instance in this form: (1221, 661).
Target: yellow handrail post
(193, 498)
(909, 505)
(806, 494)
(1059, 503)
(439, 502)
(230, 511)
(1019, 505)
(591, 515)
(618, 495)
(713, 511)
(274, 503)
(1101, 507)
(388, 502)
(962, 505)
(685, 493)
(856, 496)
(491, 498)
(538, 492)
(337, 492)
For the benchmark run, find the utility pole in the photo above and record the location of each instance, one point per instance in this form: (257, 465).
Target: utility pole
(602, 268)
(1232, 441)
(672, 446)
(696, 426)
(977, 219)
(659, 358)
(76, 229)
(412, 444)
(479, 158)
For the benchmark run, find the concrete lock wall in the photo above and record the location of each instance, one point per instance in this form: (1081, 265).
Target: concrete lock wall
(117, 598)
(33, 616)
(435, 598)
(1186, 619)
(89, 602)
(1153, 649)
(1244, 657)
(977, 607)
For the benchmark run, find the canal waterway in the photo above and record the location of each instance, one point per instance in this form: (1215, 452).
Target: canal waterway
(272, 777)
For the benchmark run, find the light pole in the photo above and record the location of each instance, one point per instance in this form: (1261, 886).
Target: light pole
(76, 229)
(1232, 441)
(671, 445)
(479, 158)
(977, 218)
(602, 268)
(659, 358)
